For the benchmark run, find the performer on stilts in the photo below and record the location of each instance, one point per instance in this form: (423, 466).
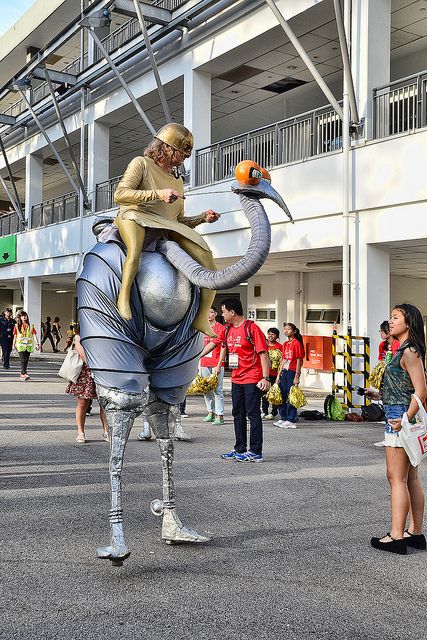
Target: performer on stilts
(151, 195)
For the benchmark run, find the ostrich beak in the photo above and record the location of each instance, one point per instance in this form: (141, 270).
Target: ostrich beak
(262, 190)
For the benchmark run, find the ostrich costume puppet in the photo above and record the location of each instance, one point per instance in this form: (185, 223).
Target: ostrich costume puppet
(147, 363)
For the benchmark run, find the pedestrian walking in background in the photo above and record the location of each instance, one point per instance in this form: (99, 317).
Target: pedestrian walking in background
(85, 391)
(248, 360)
(209, 364)
(275, 358)
(289, 374)
(7, 325)
(47, 335)
(24, 341)
(403, 376)
(56, 332)
(69, 337)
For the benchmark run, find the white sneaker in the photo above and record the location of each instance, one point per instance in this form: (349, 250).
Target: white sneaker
(280, 423)
(379, 444)
(289, 425)
(263, 415)
(269, 416)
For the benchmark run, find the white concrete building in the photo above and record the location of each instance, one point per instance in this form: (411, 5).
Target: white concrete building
(232, 76)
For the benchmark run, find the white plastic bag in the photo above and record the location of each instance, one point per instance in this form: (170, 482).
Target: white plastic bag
(414, 436)
(71, 367)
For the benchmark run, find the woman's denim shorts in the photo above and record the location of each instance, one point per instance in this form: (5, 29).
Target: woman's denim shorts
(393, 411)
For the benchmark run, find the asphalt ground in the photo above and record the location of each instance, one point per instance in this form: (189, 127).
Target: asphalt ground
(290, 555)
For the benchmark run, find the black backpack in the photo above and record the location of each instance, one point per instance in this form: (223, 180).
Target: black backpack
(373, 413)
(312, 415)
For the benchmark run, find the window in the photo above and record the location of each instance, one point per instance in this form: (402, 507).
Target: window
(327, 316)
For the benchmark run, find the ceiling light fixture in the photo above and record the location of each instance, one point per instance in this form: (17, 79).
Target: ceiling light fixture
(62, 291)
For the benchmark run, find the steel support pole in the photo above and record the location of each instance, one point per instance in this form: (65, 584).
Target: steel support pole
(67, 139)
(11, 198)
(48, 140)
(303, 54)
(122, 82)
(346, 148)
(15, 199)
(154, 66)
(346, 61)
(82, 140)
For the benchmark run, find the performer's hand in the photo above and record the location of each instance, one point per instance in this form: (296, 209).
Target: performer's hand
(211, 216)
(170, 195)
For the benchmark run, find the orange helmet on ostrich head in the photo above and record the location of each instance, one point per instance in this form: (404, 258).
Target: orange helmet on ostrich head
(249, 172)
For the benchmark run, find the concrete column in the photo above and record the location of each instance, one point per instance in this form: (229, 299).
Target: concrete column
(197, 111)
(33, 183)
(33, 301)
(98, 158)
(374, 294)
(370, 53)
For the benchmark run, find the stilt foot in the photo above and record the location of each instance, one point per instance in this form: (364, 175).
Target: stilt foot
(174, 532)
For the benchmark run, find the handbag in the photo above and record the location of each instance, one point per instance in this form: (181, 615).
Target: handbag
(414, 436)
(71, 367)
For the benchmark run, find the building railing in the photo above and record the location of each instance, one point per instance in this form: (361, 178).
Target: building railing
(57, 209)
(104, 198)
(400, 106)
(10, 223)
(113, 41)
(291, 140)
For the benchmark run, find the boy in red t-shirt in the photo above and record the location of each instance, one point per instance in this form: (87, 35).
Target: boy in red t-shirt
(248, 359)
(275, 357)
(289, 374)
(211, 363)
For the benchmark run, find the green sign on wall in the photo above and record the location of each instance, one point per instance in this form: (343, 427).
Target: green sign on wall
(7, 249)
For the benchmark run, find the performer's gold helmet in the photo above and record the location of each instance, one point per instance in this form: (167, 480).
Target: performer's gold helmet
(177, 136)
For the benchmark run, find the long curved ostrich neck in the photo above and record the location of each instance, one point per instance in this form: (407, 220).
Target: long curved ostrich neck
(244, 268)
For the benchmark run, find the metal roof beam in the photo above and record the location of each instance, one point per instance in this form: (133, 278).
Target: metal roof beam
(56, 43)
(154, 15)
(5, 119)
(59, 77)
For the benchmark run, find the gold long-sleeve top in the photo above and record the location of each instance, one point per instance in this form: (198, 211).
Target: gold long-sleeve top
(138, 196)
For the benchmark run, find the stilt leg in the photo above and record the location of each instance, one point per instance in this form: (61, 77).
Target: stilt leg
(121, 409)
(162, 419)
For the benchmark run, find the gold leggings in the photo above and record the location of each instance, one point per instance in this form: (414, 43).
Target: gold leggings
(133, 235)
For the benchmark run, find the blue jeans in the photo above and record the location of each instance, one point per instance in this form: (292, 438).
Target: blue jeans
(287, 411)
(214, 399)
(246, 400)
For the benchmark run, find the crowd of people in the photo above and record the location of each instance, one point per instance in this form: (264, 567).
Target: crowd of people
(256, 362)
(18, 333)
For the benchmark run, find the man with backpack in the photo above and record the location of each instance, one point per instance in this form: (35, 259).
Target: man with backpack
(247, 358)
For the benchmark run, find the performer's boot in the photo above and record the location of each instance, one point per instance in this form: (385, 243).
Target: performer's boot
(121, 409)
(179, 431)
(162, 418)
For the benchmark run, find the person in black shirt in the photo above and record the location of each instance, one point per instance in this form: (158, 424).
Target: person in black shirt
(7, 324)
(47, 335)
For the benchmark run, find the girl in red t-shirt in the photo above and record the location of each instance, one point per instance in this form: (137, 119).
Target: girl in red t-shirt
(289, 374)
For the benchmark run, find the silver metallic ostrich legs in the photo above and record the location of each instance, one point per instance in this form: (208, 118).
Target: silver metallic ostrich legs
(121, 409)
(162, 418)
